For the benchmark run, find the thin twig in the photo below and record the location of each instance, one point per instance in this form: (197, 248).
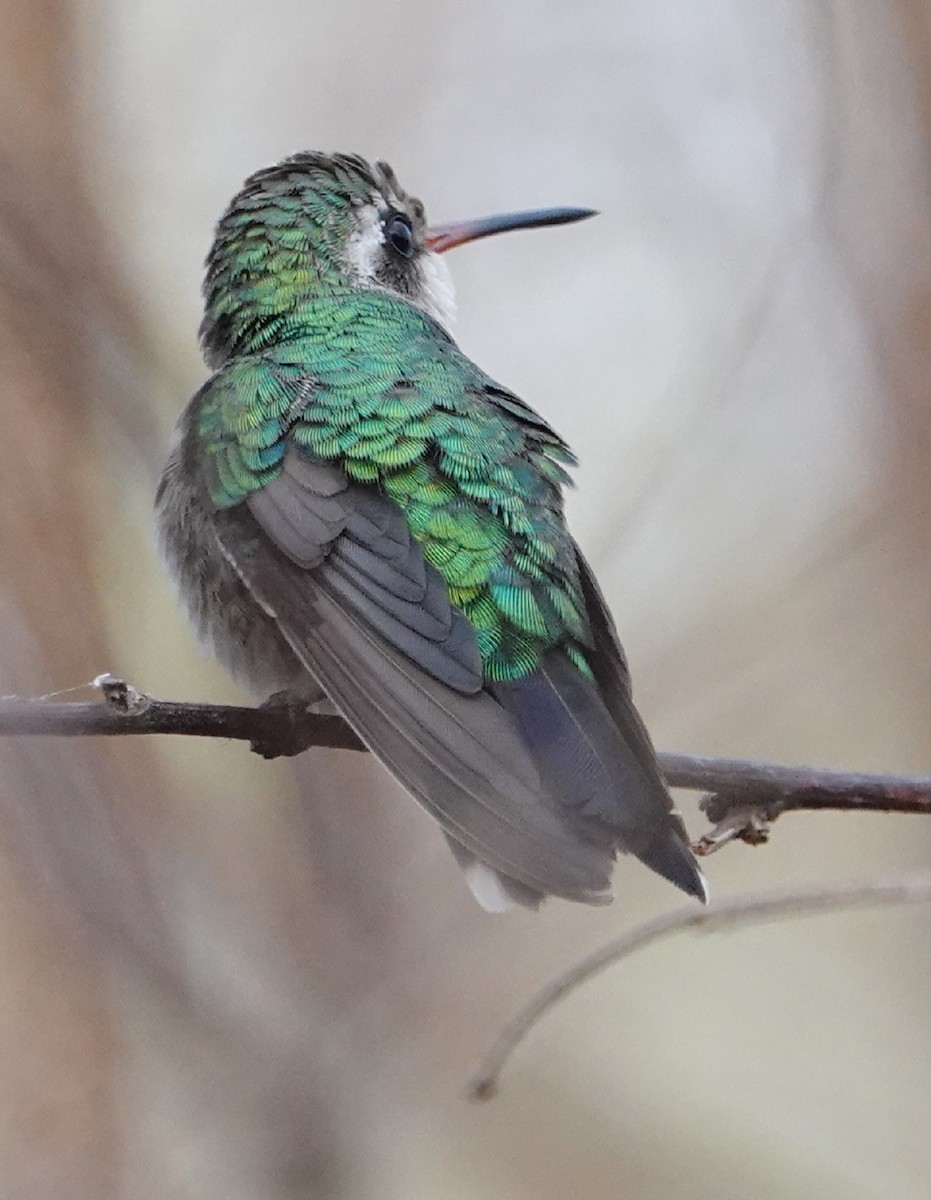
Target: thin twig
(745, 797)
(788, 788)
(273, 729)
(724, 914)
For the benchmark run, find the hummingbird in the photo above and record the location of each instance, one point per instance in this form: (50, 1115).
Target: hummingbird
(356, 515)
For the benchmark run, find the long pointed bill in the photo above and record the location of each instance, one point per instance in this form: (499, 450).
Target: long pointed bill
(443, 237)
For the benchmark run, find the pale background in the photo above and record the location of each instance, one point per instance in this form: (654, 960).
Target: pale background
(225, 979)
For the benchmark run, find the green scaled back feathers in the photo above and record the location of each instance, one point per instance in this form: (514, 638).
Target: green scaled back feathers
(359, 377)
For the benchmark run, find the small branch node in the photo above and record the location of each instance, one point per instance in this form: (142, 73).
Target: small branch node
(121, 696)
(723, 804)
(751, 824)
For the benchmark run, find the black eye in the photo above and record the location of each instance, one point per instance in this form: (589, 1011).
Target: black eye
(399, 235)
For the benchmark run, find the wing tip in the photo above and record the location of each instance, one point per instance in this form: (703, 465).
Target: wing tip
(698, 887)
(671, 856)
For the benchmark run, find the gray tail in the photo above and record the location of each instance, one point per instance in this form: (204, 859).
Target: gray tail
(602, 780)
(670, 855)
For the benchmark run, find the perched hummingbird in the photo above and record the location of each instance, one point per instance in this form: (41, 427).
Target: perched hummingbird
(354, 511)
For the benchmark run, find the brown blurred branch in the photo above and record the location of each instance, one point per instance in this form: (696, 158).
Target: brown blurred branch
(722, 915)
(273, 729)
(744, 797)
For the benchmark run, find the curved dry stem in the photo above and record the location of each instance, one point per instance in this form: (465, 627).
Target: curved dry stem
(726, 913)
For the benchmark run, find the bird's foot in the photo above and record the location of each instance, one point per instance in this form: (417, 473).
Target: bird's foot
(293, 721)
(286, 731)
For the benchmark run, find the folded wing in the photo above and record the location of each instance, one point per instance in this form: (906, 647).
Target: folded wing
(333, 563)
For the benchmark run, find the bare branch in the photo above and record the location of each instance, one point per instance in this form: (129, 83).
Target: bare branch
(747, 781)
(745, 797)
(722, 915)
(272, 729)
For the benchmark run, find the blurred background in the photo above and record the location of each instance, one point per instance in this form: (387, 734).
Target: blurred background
(224, 978)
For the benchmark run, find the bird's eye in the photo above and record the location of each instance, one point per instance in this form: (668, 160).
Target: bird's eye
(400, 235)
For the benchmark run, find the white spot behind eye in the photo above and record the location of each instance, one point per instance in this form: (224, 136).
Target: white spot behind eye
(365, 244)
(435, 293)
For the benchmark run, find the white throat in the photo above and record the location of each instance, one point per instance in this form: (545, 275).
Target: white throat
(439, 295)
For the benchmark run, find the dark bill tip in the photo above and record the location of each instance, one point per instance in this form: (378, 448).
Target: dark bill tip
(443, 237)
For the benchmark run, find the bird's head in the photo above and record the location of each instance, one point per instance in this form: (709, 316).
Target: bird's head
(317, 224)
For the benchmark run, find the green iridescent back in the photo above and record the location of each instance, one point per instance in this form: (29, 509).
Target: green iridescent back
(358, 377)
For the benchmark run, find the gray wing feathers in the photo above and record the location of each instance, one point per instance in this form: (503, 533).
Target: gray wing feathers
(611, 672)
(359, 544)
(303, 512)
(428, 613)
(668, 852)
(404, 671)
(405, 578)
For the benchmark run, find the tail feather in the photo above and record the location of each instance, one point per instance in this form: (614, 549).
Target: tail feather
(607, 790)
(669, 855)
(495, 891)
